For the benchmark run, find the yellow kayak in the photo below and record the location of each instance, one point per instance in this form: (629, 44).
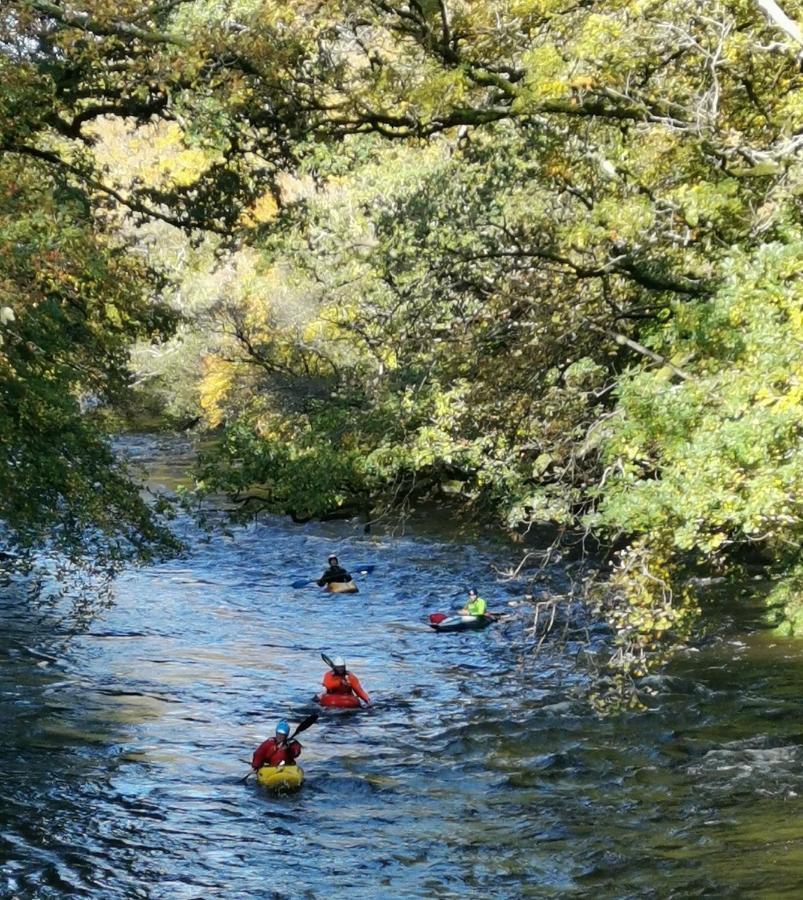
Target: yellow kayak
(281, 778)
(341, 587)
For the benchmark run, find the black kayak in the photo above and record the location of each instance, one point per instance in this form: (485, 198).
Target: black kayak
(459, 623)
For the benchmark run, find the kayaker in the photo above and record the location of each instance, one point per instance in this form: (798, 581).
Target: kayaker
(335, 573)
(476, 606)
(276, 751)
(340, 681)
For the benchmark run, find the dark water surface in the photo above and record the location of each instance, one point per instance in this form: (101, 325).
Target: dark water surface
(477, 772)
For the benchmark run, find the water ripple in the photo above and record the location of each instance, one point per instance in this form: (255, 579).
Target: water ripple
(473, 774)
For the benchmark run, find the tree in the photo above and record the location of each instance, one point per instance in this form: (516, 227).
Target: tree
(492, 229)
(72, 301)
(509, 291)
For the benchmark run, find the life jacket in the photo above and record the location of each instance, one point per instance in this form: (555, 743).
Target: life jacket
(334, 574)
(344, 684)
(337, 684)
(269, 754)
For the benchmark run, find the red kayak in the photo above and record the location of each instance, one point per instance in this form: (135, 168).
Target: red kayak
(340, 701)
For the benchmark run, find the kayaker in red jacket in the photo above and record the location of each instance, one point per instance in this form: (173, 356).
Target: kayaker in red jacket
(276, 750)
(339, 681)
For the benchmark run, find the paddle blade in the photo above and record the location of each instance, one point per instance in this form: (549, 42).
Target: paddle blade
(305, 724)
(301, 584)
(327, 660)
(437, 618)
(365, 570)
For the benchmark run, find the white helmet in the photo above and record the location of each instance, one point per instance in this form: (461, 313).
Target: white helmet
(339, 662)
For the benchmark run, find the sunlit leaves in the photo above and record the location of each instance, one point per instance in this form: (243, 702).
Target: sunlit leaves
(715, 461)
(545, 251)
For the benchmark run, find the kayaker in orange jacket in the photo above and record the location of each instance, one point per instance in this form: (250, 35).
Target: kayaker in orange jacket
(276, 751)
(340, 681)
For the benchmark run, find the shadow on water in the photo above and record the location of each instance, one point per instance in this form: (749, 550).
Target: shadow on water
(122, 747)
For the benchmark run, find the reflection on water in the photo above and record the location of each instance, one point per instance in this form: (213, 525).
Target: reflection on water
(122, 748)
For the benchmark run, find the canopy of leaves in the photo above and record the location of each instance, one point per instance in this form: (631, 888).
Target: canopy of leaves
(71, 304)
(542, 256)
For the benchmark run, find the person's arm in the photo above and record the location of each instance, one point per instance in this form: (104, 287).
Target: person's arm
(261, 753)
(325, 578)
(481, 606)
(294, 749)
(357, 688)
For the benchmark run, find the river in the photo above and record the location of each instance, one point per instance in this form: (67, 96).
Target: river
(479, 770)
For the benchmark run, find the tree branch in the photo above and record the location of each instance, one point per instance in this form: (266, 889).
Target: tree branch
(130, 203)
(83, 22)
(779, 18)
(625, 341)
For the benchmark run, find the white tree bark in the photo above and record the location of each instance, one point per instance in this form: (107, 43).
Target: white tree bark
(778, 17)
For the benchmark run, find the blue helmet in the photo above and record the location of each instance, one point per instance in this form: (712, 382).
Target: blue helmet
(283, 727)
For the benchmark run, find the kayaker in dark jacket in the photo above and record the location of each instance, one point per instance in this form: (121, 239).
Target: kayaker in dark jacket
(341, 681)
(276, 750)
(335, 573)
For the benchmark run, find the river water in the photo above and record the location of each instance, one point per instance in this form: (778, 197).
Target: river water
(479, 770)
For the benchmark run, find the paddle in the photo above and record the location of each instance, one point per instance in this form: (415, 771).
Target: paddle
(360, 570)
(437, 618)
(303, 725)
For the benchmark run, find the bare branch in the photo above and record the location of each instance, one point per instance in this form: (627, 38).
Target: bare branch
(625, 341)
(778, 17)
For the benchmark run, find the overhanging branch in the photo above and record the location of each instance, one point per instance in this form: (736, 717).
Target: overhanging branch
(84, 22)
(129, 202)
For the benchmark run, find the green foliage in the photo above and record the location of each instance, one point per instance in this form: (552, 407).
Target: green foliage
(785, 602)
(540, 256)
(303, 478)
(649, 612)
(712, 461)
(70, 304)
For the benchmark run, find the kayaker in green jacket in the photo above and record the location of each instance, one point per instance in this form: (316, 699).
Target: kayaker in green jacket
(476, 606)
